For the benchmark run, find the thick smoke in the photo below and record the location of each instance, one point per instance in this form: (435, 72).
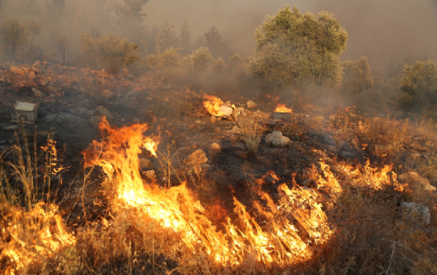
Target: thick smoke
(399, 30)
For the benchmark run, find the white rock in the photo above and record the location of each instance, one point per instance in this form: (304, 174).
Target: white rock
(36, 92)
(416, 212)
(215, 146)
(103, 111)
(250, 104)
(226, 110)
(276, 139)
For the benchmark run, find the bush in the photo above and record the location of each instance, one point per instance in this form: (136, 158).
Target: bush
(357, 76)
(419, 84)
(108, 52)
(295, 49)
(201, 59)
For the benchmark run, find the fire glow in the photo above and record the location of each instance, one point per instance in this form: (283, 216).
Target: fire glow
(212, 105)
(281, 108)
(278, 242)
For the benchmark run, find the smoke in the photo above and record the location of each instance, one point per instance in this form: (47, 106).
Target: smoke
(382, 30)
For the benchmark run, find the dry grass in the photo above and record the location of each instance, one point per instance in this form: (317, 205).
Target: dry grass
(252, 133)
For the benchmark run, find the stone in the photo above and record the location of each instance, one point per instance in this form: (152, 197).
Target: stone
(149, 98)
(277, 139)
(151, 175)
(95, 120)
(235, 130)
(235, 114)
(332, 118)
(54, 89)
(79, 111)
(215, 146)
(250, 104)
(36, 64)
(16, 70)
(44, 82)
(166, 100)
(416, 212)
(271, 122)
(36, 92)
(243, 114)
(145, 163)
(217, 130)
(104, 112)
(212, 119)
(196, 158)
(107, 94)
(135, 121)
(90, 113)
(226, 110)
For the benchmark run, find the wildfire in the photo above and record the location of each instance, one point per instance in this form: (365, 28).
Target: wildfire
(212, 105)
(278, 241)
(281, 108)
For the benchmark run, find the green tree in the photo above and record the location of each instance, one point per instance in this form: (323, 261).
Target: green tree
(109, 52)
(13, 33)
(201, 59)
(357, 76)
(295, 49)
(419, 84)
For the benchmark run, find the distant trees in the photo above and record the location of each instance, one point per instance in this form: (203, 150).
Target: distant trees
(419, 84)
(13, 33)
(218, 46)
(201, 59)
(130, 17)
(109, 52)
(185, 38)
(295, 49)
(357, 76)
(63, 44)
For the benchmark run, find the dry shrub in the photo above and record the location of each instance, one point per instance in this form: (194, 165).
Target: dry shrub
(252, 133)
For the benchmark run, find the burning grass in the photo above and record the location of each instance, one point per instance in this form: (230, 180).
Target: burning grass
(252, 133)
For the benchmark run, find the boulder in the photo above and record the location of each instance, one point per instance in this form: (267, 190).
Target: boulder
(36, 92)
(196, 158)
(277, 139)
(416, 212)
(95, 120)
(215, 146)
(16, 70)
(107, 94)
(212, 119)
(36, 64)
(414, 178)
(104, 112)
(145, 163)
(250, 104)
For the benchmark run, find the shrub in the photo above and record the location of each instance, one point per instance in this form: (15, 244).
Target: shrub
(357, 76)
(108, 52)
(201, 59)
(419, 84)
(294, 49)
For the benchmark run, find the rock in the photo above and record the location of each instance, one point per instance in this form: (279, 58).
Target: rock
(103, 111)
(54, 89)
(235, 114)
(192, 126)
(36, 92)
(235, 130)
(215, 146)
(166, 100)
(196, 158)
(250, 104)
(151, 175)
(36, 64)
(135, 121)
(16, 70)
(416, 212)
(44, 82)
(217, 130)
(149, 98)
(79, 111)
(107, 94)
(414, 178)
(212, 119)
(95, 120)
(145, 163)
(226, 111)
(271, 122)
(276, 139)
(243, 114)
(332, 118)
(90, 113)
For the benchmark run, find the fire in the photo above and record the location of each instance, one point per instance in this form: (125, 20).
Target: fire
(212, 105)
(281, 108)
(278, 241)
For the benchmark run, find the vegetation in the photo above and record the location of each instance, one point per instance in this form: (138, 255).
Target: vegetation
(357, 76)
(108, 52)
(13, 33)
(419, 85)
(295, 49)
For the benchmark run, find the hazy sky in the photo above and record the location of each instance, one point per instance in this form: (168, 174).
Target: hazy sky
(376, 28)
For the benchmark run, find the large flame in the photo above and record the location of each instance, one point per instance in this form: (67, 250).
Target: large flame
(212, 105)
(278, 241)
(281, 108)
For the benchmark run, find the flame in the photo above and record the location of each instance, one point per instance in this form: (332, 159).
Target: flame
(278, 241)
(281, 108)
(212, 105)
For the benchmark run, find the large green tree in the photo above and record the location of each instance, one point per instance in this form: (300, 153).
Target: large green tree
(295, 49)
(13, 33)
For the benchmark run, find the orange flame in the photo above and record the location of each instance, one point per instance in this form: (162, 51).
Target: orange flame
(212, 105)
(279, 241)
(281, 108)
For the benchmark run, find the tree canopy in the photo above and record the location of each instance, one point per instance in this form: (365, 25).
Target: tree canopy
(294, 49)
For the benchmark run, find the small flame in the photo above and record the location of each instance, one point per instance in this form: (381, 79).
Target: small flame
(281, 108)
(212, 105)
